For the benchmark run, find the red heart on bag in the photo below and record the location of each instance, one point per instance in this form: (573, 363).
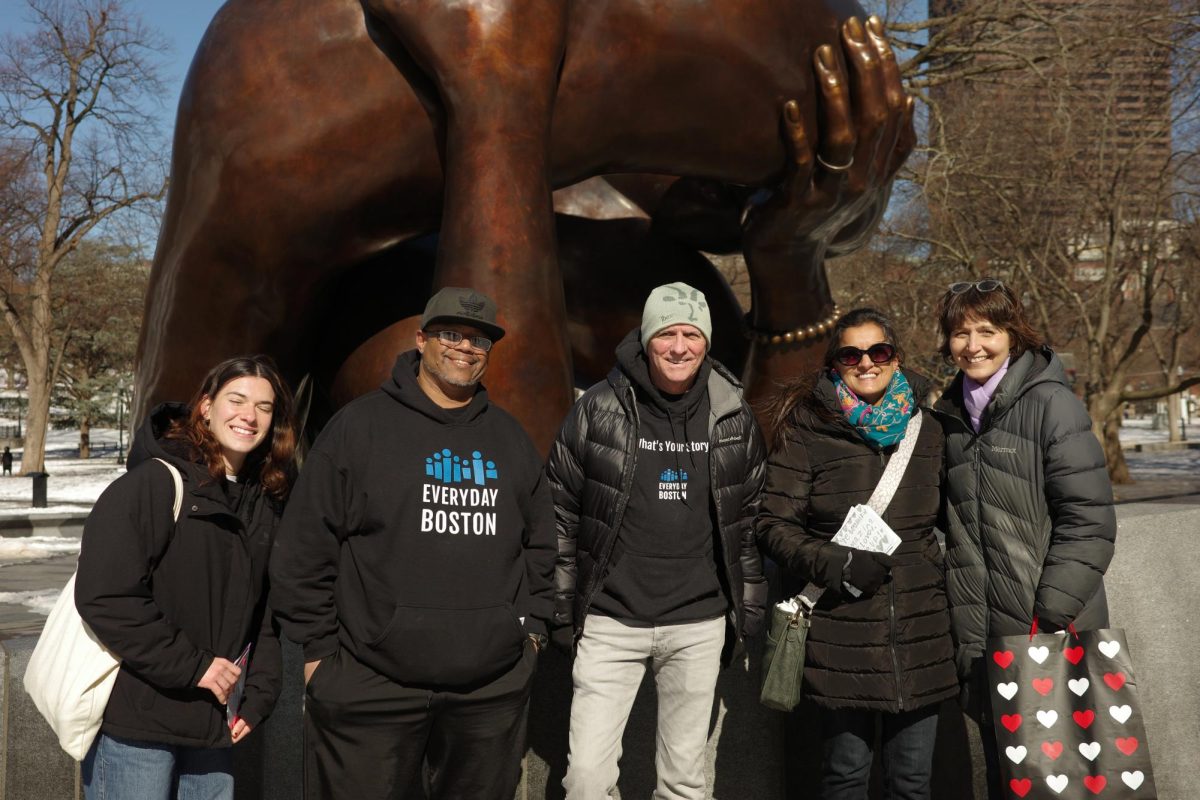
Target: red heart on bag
(1127, 746)
(1084, 718)
(1115, 680)
(1003, 658)
(1011, 721)
(1043, 685)
(1095, 783)
(1020, 787)
(1052, 749)
(1074, 654)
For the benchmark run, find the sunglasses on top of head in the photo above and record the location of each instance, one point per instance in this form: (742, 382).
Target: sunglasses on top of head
(879, 353)
(989, 285)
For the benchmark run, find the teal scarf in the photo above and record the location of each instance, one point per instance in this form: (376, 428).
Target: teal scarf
(882, 425)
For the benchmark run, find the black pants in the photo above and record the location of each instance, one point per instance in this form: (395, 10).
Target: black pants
(368, 737)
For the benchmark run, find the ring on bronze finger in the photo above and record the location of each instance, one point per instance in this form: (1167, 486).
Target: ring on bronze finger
(835, 167)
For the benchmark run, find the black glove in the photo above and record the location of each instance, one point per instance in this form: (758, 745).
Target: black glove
(562, 639)
(755, 623)
(867, 571)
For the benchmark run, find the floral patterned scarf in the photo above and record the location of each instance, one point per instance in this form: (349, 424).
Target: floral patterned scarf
(881, 425)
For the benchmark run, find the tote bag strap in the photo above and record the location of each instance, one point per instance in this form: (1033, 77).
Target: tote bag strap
(177, 479)
(894, 470)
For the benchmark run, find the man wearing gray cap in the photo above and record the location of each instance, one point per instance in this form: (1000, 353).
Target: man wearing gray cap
(656, 476)
(414, 565)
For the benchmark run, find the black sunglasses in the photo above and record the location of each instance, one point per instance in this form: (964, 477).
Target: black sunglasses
(879, 353)
(989, 285)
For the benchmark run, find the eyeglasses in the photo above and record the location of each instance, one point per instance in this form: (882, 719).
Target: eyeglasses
(879, 353)
(451, 338)
(989, 285)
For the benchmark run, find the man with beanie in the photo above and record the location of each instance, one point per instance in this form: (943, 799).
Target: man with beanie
(414, 565)
(656, 476)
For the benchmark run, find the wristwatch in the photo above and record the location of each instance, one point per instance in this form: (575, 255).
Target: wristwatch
(539, 641)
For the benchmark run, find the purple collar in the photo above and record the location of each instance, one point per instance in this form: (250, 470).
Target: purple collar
(976, 396)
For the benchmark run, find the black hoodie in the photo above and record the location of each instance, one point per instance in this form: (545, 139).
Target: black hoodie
(419, 538)
(663, 569)
(167, 597)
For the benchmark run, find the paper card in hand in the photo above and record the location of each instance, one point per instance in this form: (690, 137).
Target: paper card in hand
(863, 529)
(235, 694)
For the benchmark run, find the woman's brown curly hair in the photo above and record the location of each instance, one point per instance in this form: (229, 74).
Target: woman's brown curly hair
(272, 463)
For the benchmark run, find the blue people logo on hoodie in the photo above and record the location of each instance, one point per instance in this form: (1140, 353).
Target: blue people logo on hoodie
(672, 484)
(446, 467)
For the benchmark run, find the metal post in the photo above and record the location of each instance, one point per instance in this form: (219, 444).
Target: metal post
(120, 427)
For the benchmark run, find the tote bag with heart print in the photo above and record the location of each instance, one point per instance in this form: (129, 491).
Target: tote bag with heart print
(1067, 717)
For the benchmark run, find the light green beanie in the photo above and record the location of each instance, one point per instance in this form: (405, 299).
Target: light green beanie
(675, 304)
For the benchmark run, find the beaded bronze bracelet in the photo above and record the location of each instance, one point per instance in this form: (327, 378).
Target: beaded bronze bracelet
(797, 335)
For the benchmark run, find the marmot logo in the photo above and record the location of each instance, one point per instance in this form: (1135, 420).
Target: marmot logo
(1008, 450)
(735, 438)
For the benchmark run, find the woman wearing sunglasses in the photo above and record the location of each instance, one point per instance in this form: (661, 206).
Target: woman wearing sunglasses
(1029, 517)
(879, 652)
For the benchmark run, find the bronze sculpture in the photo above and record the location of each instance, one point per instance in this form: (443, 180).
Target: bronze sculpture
(311, 157)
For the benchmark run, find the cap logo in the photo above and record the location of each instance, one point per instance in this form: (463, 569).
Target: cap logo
(472, 304)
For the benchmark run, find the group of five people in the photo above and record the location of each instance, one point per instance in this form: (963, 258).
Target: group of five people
(425, 555)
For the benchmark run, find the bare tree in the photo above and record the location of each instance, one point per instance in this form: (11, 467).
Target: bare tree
(74, 98)
(1070, 179)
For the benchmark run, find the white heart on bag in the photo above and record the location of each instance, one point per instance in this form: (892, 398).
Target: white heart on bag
(1007, 690)
(1039, 653)
(1078, 685)
(1057, 783)
(1047, 718)
(1133, 779)
(1090, 750)
(1110, 649)
(1016, 754)
(1120, 713)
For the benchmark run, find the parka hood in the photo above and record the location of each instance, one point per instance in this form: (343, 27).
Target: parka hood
(402, 386)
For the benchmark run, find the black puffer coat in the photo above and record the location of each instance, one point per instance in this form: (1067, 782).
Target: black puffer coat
(1030, 526)
(168, 597)
(891, 651)
(592, 464)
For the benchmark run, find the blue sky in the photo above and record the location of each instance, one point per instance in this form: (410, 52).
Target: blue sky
(181, 22)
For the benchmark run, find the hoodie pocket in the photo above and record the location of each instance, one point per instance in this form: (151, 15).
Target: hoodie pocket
(447, 646)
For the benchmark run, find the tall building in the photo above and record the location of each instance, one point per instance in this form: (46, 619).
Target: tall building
(1091, 103)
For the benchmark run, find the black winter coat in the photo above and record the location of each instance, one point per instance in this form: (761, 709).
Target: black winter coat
(590, 468)
(168, 597)
(891, 651)
(1029, 518)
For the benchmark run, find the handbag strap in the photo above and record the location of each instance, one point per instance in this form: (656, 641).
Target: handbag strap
(177, 479)
(894, 471)
(880, 498)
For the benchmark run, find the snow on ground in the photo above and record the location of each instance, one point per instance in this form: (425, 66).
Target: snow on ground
(40, 602)
(74, 483)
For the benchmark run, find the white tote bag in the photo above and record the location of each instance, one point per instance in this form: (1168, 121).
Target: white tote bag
(70, 673)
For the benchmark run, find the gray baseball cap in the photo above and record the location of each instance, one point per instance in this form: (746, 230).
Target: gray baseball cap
(466, 306)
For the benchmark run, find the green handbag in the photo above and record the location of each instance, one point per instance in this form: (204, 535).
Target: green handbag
(783, 657)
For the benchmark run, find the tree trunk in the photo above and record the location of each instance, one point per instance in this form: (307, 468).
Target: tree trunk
(36, 424)
(1174, 433)
(1114, 456)
(1102, 408)
(85, 437)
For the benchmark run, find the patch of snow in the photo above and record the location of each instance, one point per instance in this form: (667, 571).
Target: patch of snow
(40, 602)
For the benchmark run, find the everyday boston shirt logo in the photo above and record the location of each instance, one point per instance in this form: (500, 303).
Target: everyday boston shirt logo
(450, 508)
